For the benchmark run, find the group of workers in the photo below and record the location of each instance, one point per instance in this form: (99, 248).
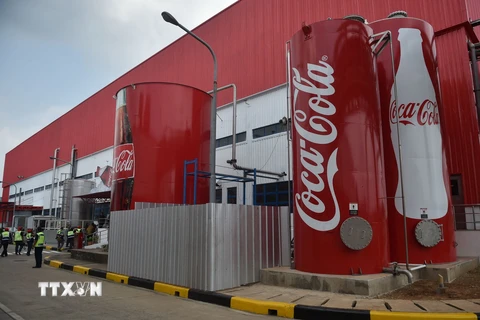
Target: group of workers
(60, 237)
(20, 237)
(37, 240)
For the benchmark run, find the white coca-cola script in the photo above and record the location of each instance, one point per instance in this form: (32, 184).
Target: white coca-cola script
(421, 113)
(124, 162)
(316, 130)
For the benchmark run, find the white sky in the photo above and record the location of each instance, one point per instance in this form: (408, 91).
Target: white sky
(55, 54)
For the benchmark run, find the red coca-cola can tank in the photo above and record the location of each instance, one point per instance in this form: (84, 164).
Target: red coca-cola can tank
(340, 217)
(413, 121)
(158, 126)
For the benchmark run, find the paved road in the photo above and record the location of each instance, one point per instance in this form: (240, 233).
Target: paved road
(20, 293)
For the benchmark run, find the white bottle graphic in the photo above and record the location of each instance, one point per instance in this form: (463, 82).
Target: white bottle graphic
(420, 134)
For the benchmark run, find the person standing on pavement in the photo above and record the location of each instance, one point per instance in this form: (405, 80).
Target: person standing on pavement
(6, 239)
(38, 244)
(19, 234)
(60, 239)
(29, 238)
(70, 238)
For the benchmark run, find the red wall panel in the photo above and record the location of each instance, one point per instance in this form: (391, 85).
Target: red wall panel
(473, 13)
(248, 39)
(459, 114)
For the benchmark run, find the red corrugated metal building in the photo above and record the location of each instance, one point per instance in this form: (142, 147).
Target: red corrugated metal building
(249, 41)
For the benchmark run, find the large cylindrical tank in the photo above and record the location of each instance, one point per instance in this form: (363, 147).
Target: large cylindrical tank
(340, 217)
(158, 127)
(419, 154)
(75, 209)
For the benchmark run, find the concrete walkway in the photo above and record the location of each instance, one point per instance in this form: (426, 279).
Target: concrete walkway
(267, 293)
(20, 298)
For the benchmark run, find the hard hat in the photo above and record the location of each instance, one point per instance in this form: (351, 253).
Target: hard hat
(7, 229)
(19, 228)
(29, 229)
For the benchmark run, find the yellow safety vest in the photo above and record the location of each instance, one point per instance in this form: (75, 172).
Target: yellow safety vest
(59, 232)
(70, 234)
(29, 236)
(5, 236)
(41, 240)
(18, 236)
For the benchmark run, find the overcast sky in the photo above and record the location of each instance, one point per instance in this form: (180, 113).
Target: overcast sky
(56, 53)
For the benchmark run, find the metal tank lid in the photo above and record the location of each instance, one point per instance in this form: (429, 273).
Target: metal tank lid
(398, 14)
(355, 17)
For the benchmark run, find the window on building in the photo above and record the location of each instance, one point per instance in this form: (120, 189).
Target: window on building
(11, 196)
(48, 187)
(232, 195)
(85, 176)
(38, 189)
(218, 196)
(269, 130)
(226, 141)
(29, 191)
(273, 194)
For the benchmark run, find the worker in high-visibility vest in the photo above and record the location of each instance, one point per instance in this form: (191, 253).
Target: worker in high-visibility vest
(39, 244)
(19, 234)
(6, 238)
(29, 237)
(70, 238)
(60, 239)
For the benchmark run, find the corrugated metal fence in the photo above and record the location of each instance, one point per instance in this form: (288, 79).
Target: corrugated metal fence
(208, 247)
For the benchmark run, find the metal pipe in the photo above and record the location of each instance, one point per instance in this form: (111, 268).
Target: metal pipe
(476, 81)
(396, 271)
(287, 57)
(55, 153)
(399, 142)
(234, 123)
(259, 171)
(14, 205)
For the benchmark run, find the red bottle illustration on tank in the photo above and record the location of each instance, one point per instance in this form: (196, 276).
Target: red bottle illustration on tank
(123, 157)
(420, 134)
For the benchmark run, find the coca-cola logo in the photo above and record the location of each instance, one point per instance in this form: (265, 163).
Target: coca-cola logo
(123, 162)
(415, 113)
(315, 130)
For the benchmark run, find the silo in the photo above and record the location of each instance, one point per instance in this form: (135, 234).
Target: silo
(340, 217)
(414, 150)
(75, 209)
(158, 127)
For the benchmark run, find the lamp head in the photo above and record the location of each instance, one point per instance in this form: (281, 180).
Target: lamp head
(169, 18)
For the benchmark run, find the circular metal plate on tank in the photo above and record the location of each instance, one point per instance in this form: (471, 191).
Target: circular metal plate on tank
(356, 233)
(428, 233)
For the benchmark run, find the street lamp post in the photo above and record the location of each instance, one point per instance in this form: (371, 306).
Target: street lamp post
(170, 19)
(14, 202)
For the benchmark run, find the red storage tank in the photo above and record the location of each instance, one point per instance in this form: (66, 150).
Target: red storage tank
(421, 157)
(158, 126)
(340, 216)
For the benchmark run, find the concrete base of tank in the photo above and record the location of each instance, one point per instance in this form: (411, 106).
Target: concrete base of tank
(367, 285)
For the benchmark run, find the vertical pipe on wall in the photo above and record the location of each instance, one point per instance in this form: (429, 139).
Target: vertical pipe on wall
(476, 80)
(55, 153)
(287, 56)
(399, 141)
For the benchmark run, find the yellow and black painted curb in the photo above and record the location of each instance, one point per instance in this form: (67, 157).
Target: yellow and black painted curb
(280, 309)
(50, 248)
